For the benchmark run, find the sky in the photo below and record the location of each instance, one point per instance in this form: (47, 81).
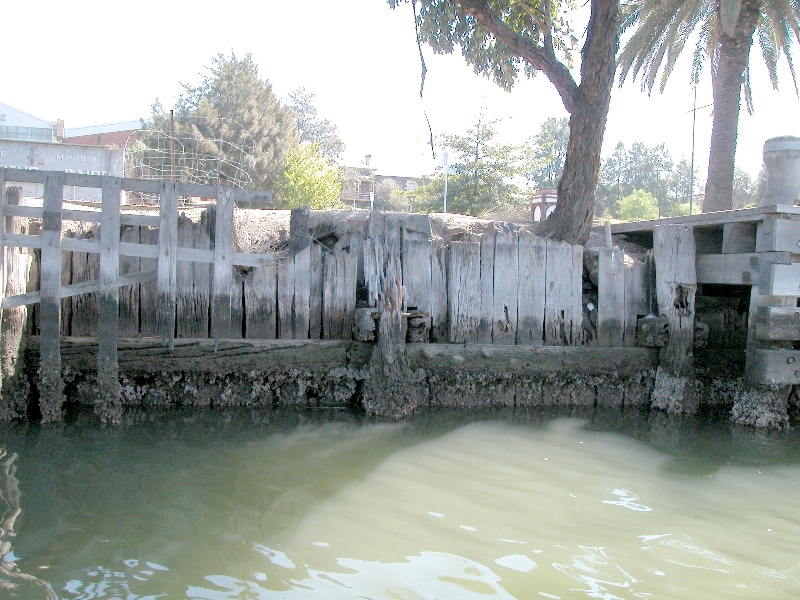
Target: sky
(98, 62)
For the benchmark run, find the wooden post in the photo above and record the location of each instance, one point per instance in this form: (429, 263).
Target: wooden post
(504, 290)
(223, 266)
(15, 267)
(51, 387)
(109, 406)
(531, 290)
(676, 285)
(299, 238)
(390, 390)
(611, 298)
(166, 277)
(463, 292)
(2, 259)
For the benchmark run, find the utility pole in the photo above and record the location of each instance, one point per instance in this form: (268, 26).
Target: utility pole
(446, 169)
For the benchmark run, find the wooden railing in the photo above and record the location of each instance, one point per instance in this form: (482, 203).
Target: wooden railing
(51, 244)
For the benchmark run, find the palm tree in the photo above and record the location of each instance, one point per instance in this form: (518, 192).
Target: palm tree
(726, 29)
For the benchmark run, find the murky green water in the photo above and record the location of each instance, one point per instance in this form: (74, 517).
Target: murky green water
(323, 505)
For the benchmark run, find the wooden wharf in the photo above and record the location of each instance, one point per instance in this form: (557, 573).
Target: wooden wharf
(459, 309)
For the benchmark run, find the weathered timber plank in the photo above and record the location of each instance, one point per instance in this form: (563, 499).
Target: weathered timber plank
(528, 359)
(563, 317)
(50, 383)
(504, 298)
(416, 263)
(286, 298)
(778, 323)
(730, 269)
(439, 310)
(636, 297)
(782, 280)
(779, 235)
(776, 367)
(531, 290)
(129, 295)
(260, 300)
(676, 286)
(147, 355)
(299, 238)
(302, 291)
(85, 308)
(148, 291)
(223, 281)
(315, 293)
(372, 274)
(739, 238)
(488, 242)
(611, 298)
(338, 295)
(202, 278)
(463, 292)
(108, 311)
(167, 262)
(15, 266)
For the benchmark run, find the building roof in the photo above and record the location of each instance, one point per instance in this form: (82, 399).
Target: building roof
(27, 114)
(103, 128)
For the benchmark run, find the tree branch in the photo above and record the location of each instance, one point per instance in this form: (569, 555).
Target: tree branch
(537, 56)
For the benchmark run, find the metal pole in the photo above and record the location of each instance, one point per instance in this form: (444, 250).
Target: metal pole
(691, 174)
(172, 145)
(446, 169)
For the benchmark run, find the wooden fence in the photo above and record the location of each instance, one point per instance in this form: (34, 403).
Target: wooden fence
(167, 275)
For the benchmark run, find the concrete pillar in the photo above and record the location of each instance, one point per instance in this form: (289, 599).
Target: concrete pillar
(782, 163)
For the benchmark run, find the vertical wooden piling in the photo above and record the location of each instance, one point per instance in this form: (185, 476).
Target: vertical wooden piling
(390, 390)
(2, 261)
(14, 271)
(563, 319)
(487, 283)
(221, 325)
(109, 406)
(315, 293)
(504, 298)
(676, 286)
(166, 277)
(440, 259)
(286, 297)
(51, 387)
(611, 298)
(463, 293)
(531, 290)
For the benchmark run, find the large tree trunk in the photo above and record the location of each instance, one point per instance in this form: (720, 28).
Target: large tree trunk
(572, 218)
(734, 52)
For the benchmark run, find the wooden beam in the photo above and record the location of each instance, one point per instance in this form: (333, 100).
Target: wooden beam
(736, 269)
(110, 408)
(778, 323)
(166, 294)
(532, 359)
(50, 385)
(739, 238)
(221, 324)
(776, 367)
(779, 235)
(782, 280)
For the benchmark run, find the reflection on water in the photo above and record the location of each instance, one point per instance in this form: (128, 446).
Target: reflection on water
(296, 505)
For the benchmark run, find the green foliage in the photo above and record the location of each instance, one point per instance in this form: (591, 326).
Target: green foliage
(390, 196)
(311, 128)
(638, 206)
(543, 155)
(663, 27)
(481, 174)
(309, 179)
(645, 168)
(445, 25)
(230, 128)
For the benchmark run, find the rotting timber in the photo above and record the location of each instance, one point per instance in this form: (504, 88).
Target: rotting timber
(203, 302)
